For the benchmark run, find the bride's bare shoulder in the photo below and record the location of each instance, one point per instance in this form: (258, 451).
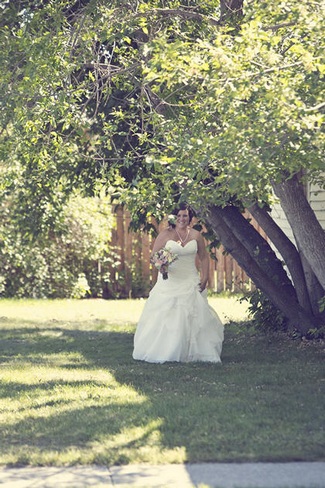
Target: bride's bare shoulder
(195, 234)
(163, 237)
(167, 233)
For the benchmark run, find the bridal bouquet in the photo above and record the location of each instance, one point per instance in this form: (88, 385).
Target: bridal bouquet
(162, 259)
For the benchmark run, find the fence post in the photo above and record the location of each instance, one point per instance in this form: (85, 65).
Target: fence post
(135, 249)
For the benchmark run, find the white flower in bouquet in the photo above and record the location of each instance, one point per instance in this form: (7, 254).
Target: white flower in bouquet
(162, 259)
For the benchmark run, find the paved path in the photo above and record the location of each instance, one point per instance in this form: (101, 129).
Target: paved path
(254, 475)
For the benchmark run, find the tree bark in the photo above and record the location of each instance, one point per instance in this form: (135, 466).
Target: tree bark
(279, 295)
(308, 233)
(315, 289)
(257, 247)
(231, 10)
(287, 250)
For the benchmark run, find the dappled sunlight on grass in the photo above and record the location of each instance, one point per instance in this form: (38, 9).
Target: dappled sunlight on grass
(90, 310)
(97, 310)
(146, 440)
(54, 409)
(70, 393)
(229, 309)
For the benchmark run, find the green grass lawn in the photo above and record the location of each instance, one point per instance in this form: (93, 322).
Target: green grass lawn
(70, 392)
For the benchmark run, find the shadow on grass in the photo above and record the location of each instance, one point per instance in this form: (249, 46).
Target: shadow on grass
(214, 412)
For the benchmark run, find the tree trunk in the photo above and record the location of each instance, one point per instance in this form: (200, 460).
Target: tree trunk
(281, 297)
(231, 10)
(308, 233)
(257, 247)
(315, 290)
(288, 252)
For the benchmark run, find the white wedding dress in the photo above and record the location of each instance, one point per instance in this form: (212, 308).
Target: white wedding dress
(177, 323)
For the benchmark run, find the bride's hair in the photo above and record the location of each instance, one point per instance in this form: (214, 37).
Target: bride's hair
(182, 206)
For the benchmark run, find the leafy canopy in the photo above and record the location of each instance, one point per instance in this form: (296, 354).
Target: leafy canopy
(158, 100)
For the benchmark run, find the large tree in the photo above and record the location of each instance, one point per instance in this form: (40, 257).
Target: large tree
(217, 103)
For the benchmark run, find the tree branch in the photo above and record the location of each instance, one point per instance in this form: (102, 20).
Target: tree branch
(186, 14)
(279, 26)
(287, 250)
(286, 302)
(316, 108)
(276, 68)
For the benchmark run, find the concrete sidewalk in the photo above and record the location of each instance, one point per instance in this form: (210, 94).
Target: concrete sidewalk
(254, 475)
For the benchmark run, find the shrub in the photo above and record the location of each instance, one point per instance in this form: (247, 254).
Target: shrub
(50, 265)
(265, 315)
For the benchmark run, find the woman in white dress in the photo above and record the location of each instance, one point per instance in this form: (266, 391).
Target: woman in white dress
(177, 323)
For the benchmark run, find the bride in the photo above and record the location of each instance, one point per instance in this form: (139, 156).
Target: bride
(177, 323)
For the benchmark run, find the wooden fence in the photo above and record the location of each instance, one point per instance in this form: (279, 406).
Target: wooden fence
(133, 275)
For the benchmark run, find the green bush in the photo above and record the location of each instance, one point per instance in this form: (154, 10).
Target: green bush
(51, 264)
(265, 316)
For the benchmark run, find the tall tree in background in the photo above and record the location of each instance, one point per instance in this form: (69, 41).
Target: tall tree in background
(216, 103)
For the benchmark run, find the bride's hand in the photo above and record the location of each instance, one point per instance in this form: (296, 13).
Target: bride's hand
(202, 286)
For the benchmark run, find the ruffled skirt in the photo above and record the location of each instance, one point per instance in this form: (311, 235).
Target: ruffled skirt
(178, 325)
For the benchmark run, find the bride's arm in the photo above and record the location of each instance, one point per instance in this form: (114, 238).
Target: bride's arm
(160, 241)
(205, 261)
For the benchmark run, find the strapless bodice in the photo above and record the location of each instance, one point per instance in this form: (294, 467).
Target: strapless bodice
(184, 266)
